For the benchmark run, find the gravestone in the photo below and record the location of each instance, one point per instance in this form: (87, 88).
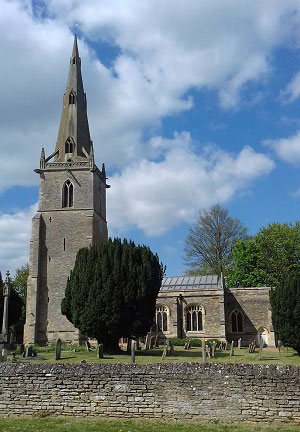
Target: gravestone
(28, 351)
(165, 351)
(171, 347)
(239, 343)
(279, 344)
(261, 345)
(100, 351)
(88, 346)
(147, 341)
(203, 351)
(157, 341)
(138, 346)
(152, 342)
(231, 349)
(58, 349)
(133, 346)
(213, 349)
(4, 354)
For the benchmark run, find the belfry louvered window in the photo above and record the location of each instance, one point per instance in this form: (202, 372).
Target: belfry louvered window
(69, 146)
(68, 194)
(194, 318)
(72, 98)
(236, 321)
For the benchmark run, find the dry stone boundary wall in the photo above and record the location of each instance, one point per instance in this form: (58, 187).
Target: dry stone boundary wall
(225, 392)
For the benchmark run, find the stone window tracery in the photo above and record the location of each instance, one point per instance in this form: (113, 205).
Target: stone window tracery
(68, 194)
(236, 321)
(69, 145)
(194, 318)
(161, 318)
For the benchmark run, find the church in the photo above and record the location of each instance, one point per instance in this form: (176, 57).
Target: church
(72, 214)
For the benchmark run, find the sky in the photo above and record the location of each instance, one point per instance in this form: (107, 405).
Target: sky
(190, 103)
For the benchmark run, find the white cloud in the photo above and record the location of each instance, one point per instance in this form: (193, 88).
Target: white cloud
(156, 196)
(292, 90)
(166, 49)
(287, 149)
(15, 231)
(296, 193)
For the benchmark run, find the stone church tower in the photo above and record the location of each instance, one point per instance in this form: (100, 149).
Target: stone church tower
(71, 214)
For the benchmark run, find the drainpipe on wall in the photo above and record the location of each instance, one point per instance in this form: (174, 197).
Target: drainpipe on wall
(180, 316)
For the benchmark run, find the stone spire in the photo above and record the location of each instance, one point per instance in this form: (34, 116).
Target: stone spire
(73, 141)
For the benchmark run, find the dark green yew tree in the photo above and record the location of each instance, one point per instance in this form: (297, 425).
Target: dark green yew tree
(112, 290)
(285, 304)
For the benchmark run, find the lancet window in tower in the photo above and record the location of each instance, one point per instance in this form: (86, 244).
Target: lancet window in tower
(72, 98)
(67, 194)
(69, 146)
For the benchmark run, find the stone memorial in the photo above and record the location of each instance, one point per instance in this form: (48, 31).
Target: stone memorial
(132, 354)
(165, 352)
(261, 345)
(171, 348)
(58, 349)
(88, 346)
(100, 351)
(239, 343)
(147, 341)
(6, 294)
(203, 351)
(231, 349)
(28, 351)
(213, 349)
(4, 354)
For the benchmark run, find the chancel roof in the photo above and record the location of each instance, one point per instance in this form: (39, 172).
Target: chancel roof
(191, 283)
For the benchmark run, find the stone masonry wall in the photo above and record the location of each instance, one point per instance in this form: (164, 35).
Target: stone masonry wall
(226, 392)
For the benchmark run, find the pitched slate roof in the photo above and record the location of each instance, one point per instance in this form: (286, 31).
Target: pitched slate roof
(191, 283)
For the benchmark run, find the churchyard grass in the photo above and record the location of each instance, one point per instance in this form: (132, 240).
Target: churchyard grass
(269, 356)
(116, 425)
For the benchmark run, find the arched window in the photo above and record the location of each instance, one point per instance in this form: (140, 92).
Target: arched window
(161, 318)
(194, 318)
(69, 145)
(67, 194)
(236, 321)
(72, 98)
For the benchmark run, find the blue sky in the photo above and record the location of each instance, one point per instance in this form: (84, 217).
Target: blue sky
(190, 104)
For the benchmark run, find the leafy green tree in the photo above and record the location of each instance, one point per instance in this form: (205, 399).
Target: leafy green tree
(15, 304)
(269, 258)
(112, 290)
(19, 284)
(208, 246)
(285, 304)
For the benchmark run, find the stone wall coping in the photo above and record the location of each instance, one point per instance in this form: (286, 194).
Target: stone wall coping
(76, 369)
(237, 289)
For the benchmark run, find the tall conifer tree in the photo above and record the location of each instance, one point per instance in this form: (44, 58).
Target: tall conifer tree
(112, 290)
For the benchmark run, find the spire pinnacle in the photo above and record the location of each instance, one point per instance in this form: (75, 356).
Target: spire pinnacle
(75, 52)
(73, 141)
